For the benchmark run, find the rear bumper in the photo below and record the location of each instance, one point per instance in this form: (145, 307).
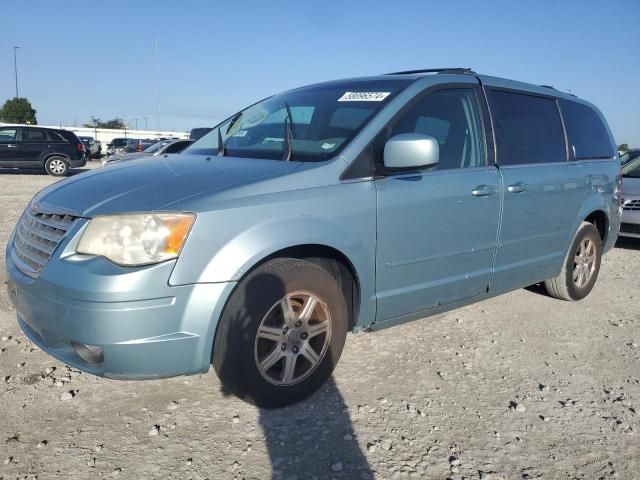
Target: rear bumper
(145, 328)
(81, 162)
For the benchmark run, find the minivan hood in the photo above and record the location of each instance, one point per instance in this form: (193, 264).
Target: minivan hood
(149, 184)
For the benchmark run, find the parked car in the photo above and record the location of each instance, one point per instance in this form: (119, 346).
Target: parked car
(55, 150)
(197, 133)
(629, 155)
(342, 206)
(157, 149)
(117, 145)
(138, 144)
(92, 146)
(630, 226)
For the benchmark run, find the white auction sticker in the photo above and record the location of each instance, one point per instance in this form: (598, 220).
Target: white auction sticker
(363, 96)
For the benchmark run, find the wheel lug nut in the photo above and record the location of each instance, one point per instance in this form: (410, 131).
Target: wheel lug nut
(298, 323)
(295, 350)
(304, 335)
(283, 347)
(285, 329)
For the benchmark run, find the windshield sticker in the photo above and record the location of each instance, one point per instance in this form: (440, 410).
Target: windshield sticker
(240, 133)
(328, 146)
(363, 96)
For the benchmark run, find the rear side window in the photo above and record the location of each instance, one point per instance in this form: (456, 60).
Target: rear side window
(528, 129)
(29, 135)
(588, 136)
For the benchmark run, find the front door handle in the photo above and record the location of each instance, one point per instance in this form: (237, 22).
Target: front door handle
(517, 187)
(12, 145)
(484, 190)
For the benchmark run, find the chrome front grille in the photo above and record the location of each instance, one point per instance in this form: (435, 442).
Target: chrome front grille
(632, 205)
(36, 238)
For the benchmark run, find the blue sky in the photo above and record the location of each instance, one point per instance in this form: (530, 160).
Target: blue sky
(97, 58)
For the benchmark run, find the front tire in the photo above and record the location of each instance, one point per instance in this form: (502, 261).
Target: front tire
(281, 333)
(56, 166)
(581, 266)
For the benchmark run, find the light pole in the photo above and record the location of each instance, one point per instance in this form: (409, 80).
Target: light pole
(157, 87)
(15, 67)
(146, 123)
(136, 123)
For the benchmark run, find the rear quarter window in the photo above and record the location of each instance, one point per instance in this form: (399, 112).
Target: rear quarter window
(588, 136)
(55, 136)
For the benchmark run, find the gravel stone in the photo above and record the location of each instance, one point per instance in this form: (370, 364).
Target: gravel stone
(66, 396)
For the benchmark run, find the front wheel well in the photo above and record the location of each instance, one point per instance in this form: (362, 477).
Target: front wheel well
(334, 262)
(601, 222)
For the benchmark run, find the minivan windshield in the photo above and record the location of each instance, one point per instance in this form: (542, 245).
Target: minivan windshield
(157, 146)
(307, 124)
(632, 169)
(629, 155)
(119, 142)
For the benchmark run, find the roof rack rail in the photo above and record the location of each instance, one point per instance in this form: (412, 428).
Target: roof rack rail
(435, 70)
(554, 88)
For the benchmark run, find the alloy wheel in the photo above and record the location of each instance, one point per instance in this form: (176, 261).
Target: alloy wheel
(293, 338)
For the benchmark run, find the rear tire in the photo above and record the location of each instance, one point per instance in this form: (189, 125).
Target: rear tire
(271, 358)
(56, 166)
(581, 266)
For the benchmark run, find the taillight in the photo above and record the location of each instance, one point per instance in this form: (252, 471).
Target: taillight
(617, 194)
(81, 147)
(139, 147)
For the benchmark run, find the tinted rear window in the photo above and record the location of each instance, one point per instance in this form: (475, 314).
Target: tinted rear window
(31, 135)
(588, 136)
(528, 128)
(56, 136)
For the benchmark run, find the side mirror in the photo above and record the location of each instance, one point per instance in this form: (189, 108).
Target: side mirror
(411, 150)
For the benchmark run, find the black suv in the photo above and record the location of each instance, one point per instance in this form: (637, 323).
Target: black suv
(34, 147)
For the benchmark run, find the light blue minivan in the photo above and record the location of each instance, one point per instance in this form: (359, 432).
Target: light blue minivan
(348, 205)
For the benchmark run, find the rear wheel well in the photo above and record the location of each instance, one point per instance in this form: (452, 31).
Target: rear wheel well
(334, 262)
(601, 222)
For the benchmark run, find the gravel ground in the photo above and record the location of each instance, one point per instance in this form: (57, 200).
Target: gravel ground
(517, 387)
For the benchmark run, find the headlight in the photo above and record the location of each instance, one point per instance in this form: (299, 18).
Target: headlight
(138, 239)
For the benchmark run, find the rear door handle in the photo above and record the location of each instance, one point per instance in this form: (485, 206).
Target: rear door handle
(484, 190)
(12, 145)
(517, 187)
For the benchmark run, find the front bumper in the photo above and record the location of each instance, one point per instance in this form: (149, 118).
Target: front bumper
(146, 328)
(630, 224)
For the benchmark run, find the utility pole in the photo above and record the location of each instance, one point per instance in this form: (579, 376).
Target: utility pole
(157, 87)
(15, 67)
(146, 123)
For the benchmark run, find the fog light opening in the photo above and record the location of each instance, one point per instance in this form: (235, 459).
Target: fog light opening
(89, 353)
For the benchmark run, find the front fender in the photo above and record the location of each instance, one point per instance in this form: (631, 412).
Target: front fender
(227, 243)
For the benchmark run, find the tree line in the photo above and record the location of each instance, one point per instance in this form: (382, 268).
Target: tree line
(19, 110)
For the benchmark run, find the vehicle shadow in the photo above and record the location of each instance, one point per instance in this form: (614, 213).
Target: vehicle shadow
(313, 438)
(628, 243)
(538, 288)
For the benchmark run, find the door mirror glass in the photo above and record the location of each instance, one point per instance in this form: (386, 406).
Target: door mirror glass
(411, 150)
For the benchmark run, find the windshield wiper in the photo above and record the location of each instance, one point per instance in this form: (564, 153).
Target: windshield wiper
(289, 134)
(223, 145)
